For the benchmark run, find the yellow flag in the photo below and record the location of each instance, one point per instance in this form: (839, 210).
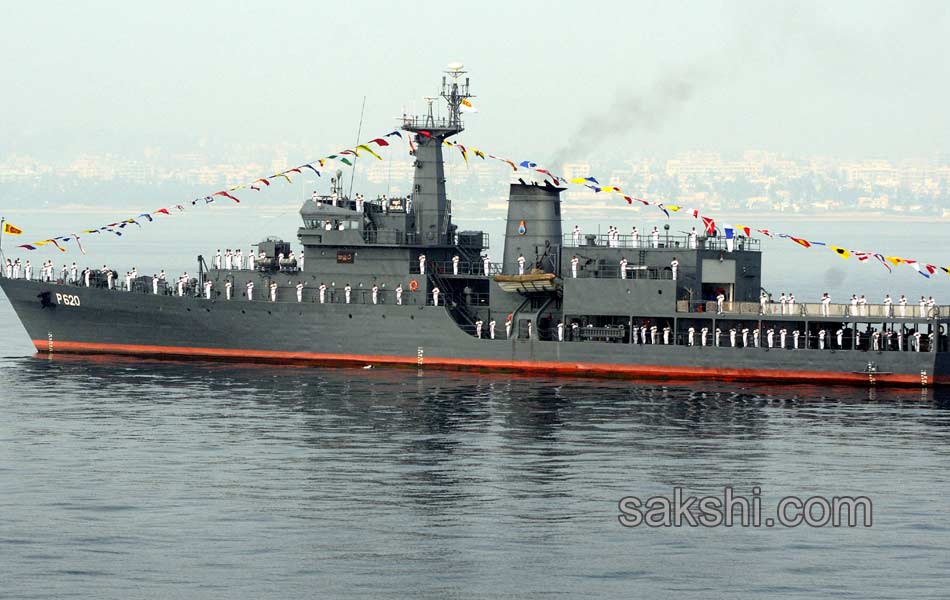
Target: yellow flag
(368, 149)
(894, 260)
(578, 180)
(11, 229)
(841, 252)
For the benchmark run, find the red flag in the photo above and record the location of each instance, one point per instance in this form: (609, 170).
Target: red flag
(164, 211)
(264, 181)
(425, 133)
(628, 199)
(379, 141)
(800, 241)
(709, 224)
(765, 232)
(226, 195)
(294, 170)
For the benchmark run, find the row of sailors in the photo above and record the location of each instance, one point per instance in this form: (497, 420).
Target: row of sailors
(613, 237)
(859, 305)
(235, 260)
(653, 335)
(624, 264)
(456, 261)
(299, 287)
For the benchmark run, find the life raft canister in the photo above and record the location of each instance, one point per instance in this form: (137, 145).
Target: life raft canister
(413, 285)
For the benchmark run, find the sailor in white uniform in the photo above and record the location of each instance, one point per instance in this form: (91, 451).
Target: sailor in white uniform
(702, 336)
(455, 265)
(690, 333)
(399, 295)
(854, 305)
(782, 301)
(521, 261)
(770, 338)
(478, 329)
(422, 264)
(791, 304)
(795, 335)
(577, 235)
(228, 260)
(560, 331)
(635, 237)
(207, 286)
(217, 259)
(16, 269)
(250, 259)
(250, 290)
(238, 259)
(110, 274)
(74, 273)
(825, 304)
(863, 305)
(28, 274)
(781, 338)
(323, 293)
(485, 264)
(64, 273)
(839, 335)
(435, 296)
(745, 337)
(86, 275)
(181, 286)
(574, 262)
(154, 284)
(821, 339)
(636, 334)
(857, 339)
(931, 304)
(491, 329)
(755, 338)
(720, 298)
(763, 300)
(732, 337)
(643, 333)
(902, 306)
(655, 234)
(693, 237)
(375, 294)
(887, 305)
(674, 266)
(347, 290)
(666, 335)
(508, 327)
(273, 291)
(717, 335)
(623, 267)
(227, 289)
(653, 331)
(923, 305)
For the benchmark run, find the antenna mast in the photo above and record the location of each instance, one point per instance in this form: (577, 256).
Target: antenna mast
(455, 92)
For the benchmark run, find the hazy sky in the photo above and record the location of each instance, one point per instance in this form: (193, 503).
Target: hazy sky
(553, 80)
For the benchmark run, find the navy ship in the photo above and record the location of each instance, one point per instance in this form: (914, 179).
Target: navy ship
(395, 282)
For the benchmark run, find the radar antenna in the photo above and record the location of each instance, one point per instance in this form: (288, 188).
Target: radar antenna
(455, 92)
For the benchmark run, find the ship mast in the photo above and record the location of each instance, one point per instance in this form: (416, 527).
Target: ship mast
(431, 207)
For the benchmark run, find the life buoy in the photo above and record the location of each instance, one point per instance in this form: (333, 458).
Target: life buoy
(413, 285)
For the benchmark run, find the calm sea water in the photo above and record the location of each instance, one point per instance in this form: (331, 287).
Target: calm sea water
(148, 479)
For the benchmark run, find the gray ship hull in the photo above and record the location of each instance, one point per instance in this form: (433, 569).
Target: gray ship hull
(69, 319)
